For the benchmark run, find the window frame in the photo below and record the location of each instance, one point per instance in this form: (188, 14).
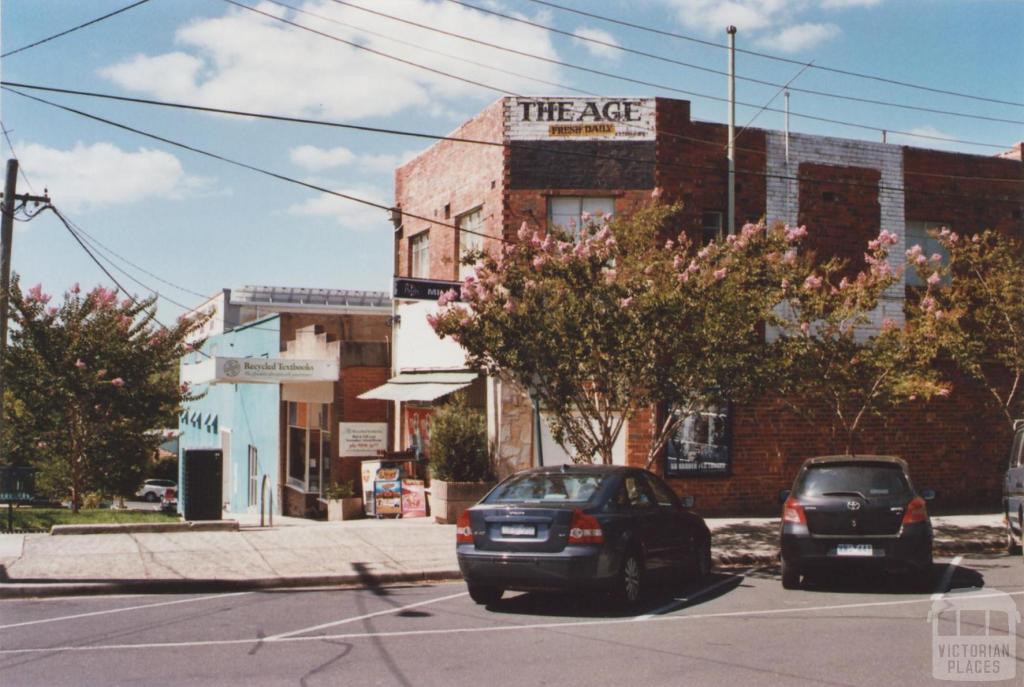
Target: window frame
(466, 241)
(419, 255)
(574, 231)
(929, 245)
(313, 423)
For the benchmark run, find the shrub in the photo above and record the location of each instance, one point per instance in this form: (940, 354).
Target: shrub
(458, 443)
(340, 490)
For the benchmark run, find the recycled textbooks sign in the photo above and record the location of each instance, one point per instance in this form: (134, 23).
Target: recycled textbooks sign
(275, 370)
(592, 119)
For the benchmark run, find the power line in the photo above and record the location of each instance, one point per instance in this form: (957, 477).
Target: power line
(755, 173)
(662, 58)
(74, 28)
(10, 146)
(777, 58)
(597, 72)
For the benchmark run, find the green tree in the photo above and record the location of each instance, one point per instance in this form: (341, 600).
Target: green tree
(623, 318)
(89, 379)
(833, 358)
(979, 293)
(458, 443)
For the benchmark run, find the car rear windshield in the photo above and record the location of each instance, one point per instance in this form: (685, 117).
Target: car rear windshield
(547, 488)
(867, 480)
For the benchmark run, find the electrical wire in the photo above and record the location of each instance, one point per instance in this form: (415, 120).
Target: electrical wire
(777, 58)
(21, 167)
(597, 72)
(668, 165)
(73, 29)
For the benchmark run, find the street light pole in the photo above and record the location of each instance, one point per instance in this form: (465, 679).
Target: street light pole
(6, 234)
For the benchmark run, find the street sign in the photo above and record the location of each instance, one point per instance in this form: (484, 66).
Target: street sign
(425, 289)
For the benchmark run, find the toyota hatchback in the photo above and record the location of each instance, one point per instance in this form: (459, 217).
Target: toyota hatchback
(854, 510)
(577, 528)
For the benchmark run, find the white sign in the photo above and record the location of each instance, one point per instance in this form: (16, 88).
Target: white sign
(274, 370)
(587, 119)
(362, 439)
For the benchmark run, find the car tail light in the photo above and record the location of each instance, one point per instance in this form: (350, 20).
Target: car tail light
(793, 512)
(916, 511)
(463, 532)
(585, 529)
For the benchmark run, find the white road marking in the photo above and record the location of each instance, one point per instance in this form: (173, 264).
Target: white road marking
(121, 610)
(675, 603)
(947, 576)
(387, 611)
(475, 630)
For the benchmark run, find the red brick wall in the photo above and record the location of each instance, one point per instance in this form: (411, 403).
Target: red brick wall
(456, 176)
(350, 408)
(841, 211)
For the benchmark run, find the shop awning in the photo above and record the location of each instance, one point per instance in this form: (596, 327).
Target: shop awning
(420, 386)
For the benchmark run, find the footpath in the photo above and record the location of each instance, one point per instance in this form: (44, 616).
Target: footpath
(238, 555)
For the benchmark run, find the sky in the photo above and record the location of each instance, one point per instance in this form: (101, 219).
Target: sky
(167, 220)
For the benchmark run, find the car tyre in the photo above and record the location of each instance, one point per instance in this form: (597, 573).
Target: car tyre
(700, 569)
(151, 497)
(485, 595)
(631, 585)
(790, 575)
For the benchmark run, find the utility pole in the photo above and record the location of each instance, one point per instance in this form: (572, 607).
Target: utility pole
(730, 226)
(7, 209)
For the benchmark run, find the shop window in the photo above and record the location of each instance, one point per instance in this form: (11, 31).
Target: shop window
(419, 255)
(922, 233)
(711, 227)
(471, 226)
(309, 445)
(566, 212)
(702, 444)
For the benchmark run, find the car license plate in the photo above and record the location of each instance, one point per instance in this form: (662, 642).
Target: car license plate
(855, 550)
(518, 530)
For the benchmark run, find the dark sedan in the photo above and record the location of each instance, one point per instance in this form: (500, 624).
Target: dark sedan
(579, 528)
(854, 510)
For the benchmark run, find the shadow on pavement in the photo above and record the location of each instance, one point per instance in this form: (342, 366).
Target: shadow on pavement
(659, 600)
(863, 580)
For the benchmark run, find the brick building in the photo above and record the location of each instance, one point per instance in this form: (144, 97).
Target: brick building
(564, 156)
(280, 374)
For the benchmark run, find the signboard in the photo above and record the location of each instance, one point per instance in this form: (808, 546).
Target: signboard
(587, 119)
(425, 289)
(701, 445)
(274, 370)
(387, 496)
(414, 501)
(362, 439)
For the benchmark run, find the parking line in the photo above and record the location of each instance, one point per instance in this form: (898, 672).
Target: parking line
(475, 630)
(388, 611)
(121, 610)
(947, 577)
(676, 603)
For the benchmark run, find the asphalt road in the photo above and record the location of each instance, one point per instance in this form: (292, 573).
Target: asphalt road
(740, 627)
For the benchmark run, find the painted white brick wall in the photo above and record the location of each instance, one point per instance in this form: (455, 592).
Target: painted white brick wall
(783, 194)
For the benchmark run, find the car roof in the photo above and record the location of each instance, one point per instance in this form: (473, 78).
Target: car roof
(855, 458)
(579, 468)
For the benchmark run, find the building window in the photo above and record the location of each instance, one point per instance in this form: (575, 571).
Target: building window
(471, 226)
(566, 212)
(309, 445)
(701, 445)
(419, 255)
(711, 227)
(254, 475)
(922, 233)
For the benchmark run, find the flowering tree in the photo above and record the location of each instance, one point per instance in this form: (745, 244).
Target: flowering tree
(89, 380)
(623, 318)
(983, 300)
(832, 359)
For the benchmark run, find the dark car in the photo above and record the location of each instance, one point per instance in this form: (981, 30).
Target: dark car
(854, 510)
(580, 528)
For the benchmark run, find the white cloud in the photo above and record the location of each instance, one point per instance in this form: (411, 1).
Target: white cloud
(101, 174)
(765, 21)
(588, 34)
(925, 136)
(347, 213)
(800, 37)
(251, 62)
(316, 159)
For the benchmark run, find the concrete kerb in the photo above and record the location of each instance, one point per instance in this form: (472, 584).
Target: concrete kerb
(153, 527)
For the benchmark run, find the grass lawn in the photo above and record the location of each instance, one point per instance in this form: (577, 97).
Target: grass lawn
(45, 518)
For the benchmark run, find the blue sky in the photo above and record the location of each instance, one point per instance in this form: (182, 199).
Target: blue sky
(202, 225)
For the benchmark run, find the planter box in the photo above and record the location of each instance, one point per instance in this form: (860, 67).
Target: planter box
(449, 499)
(344, 509)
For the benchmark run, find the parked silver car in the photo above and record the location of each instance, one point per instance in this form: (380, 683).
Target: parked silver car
(153, 490)
(1013, 491)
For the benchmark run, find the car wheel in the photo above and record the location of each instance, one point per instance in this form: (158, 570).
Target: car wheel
(631, 580)
(484, 595)
(152, 497)
(790, 575)
(700, 569)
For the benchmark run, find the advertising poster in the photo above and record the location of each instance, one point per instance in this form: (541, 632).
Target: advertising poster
(388, 497)
(414, 502)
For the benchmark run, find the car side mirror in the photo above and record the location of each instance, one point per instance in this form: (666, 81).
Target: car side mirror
(687, 501)
(928, 494)
(784, 494)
